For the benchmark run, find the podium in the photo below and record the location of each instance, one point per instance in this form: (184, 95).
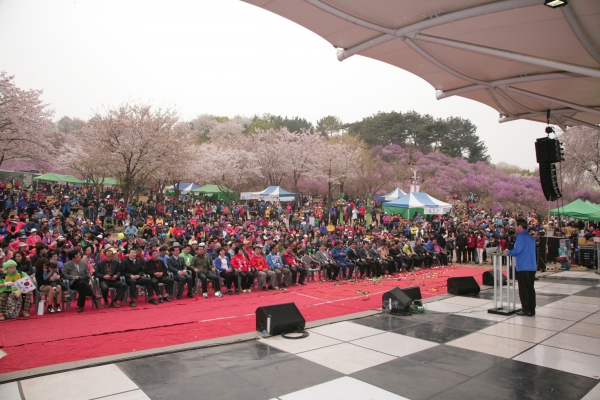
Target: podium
(508, 292)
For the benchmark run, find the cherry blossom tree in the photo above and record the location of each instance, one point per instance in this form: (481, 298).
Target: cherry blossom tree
(582, 156)
(134, 141)
(26, 129)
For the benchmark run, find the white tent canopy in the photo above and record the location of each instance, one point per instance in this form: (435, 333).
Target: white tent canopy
(393, 195)
(272, 193)
(520, 57)
(184, 187)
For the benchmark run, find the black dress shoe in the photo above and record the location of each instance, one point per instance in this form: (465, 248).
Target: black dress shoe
(178, 297)
(160, 300)
(79, 309)
(167, 298)
(524, 314)
(153, 301)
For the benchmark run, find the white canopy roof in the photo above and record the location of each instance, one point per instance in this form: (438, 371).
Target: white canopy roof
(517, 56)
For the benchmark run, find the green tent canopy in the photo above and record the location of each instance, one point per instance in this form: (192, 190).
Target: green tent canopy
(577, 209)
(216, 193)
(50, 177)
(108, 181)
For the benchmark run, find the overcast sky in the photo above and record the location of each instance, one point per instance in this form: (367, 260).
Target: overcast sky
(222, 57)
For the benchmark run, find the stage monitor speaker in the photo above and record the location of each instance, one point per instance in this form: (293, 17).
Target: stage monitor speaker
(548, 151)
(279, 318)
(549, 181)
(463, 286)
(396, 301)
(414, 292)
(488, 278)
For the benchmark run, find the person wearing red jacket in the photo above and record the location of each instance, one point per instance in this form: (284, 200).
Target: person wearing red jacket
(471, 245)
(262, 270)
(241, 264)
(33, 238)
(289, 259)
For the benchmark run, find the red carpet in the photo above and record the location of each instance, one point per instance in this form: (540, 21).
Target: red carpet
(53, 339)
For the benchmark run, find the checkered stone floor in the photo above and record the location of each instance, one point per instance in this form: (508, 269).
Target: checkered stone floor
(456, 350)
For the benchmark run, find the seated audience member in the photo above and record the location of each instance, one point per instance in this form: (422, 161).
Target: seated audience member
(241, 264)
(226, 271)
(11, 298)
(78, 274)
(262, 269)
(177, 266)
(326, 262)
(203, 265)
(284, 275)
(290, 261)
(48, 280)
(132, 268)
(108, 273)
(159, 274)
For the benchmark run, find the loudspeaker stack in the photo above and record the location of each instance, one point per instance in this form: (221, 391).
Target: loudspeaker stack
(548, 152)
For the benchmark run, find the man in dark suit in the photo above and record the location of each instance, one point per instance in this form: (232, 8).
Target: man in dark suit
(108, 273)
(132, 268)
(159, 274)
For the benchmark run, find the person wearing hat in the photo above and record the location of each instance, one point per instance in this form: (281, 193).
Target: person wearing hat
(78, 274)
(284, 275)
(33, 238)
(203, 265)
(176, 265)
(108, 273)
(8, 287)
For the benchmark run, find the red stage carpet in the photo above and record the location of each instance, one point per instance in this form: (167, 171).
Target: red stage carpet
(53, 339)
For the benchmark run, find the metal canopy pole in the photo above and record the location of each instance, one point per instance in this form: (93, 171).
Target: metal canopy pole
(499, 306)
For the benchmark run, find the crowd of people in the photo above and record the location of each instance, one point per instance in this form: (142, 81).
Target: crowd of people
(76, 244)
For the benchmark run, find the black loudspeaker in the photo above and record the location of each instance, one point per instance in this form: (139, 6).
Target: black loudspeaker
(279, 319)
(414, 292)
(463, 286)
(548, 151)
(549, 181)
(396, 301)
(488, 278)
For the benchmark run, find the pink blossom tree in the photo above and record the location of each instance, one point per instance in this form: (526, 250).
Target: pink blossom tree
(26, 129)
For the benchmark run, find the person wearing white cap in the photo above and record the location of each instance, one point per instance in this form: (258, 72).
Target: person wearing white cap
(33, 238)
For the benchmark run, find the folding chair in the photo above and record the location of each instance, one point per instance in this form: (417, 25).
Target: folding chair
(311, 267)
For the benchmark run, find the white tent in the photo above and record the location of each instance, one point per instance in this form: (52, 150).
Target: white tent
(272, 193)
(414, 202)
(393, 195)
(184, 187)
(520, 57)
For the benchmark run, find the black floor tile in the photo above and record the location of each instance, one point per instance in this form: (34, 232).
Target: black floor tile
(241, 354)
(433, 333)
(543, 299)
(167, 368)
(537, 381)
(462, 361)
(217, 385)
(285, 375)
(387, 322)
(472, 389)
(463, 323)
(410, 379)
(589, 292)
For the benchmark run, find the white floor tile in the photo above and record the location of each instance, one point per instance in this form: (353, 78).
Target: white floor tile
(540, 284)
(482, 313)
(551, 324)
(466, 301)
(445, 307)
(593, 394)
(395, 344)
(494, 345)
(518, 332)
(570, 341)
(344, 388)
(88, 383)
(584, 329)
(346, 358)
(133, 395)
(312, 342)
(552, 290)
(10, 391)
(593, 319)
(569, 286)
(583, 300)
(563, 360)
(569, 315)
(346, 331)
(566, 305)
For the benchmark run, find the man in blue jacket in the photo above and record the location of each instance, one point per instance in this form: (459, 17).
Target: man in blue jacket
(524, 252)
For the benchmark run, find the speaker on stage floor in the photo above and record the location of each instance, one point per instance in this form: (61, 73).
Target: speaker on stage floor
(488, 278)
(463, 286)
(279, 318)
(414, 292)
(396, 301)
